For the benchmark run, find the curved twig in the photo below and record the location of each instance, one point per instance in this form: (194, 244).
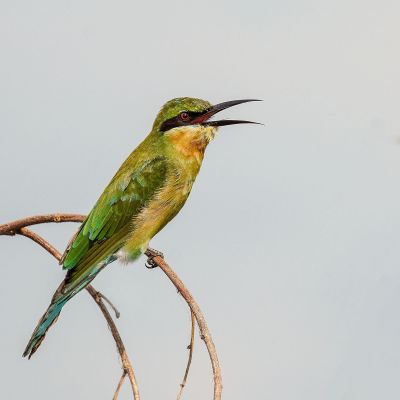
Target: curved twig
(201, 322)
(190, 348)
(108, 301)
(19, 227)
(120, 383)
(126, 364)
(40, 241)
(11, 228)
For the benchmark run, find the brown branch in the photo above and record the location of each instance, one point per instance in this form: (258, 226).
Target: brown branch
(190, 348)
(11, 228)
(40, 241)
(108, 301)
(126, 364)
(19, 227)
(201, 322)
(120, 383)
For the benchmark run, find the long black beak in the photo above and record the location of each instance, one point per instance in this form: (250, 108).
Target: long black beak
(204, 119)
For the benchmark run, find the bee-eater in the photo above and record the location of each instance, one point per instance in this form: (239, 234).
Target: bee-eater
(147, 191)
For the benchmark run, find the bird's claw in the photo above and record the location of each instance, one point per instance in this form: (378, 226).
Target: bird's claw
(151, 253)
(150, 263)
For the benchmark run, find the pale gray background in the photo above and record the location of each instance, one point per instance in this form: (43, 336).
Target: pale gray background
(290, 240)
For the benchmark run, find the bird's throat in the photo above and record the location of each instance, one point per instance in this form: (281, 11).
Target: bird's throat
(191, 141)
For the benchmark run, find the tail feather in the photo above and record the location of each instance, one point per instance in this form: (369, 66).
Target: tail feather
(47, 320)
(68, 289)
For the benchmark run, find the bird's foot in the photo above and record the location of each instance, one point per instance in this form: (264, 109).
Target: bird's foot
(151, 253)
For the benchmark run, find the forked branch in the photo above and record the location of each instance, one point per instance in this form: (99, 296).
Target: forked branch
(19, 228)
(201, 322)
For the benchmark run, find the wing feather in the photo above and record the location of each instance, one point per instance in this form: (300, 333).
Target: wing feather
(128, 192)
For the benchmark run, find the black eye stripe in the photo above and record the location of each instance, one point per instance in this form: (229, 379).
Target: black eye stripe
(176, 121)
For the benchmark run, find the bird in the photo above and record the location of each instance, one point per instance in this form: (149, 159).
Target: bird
(147, 192)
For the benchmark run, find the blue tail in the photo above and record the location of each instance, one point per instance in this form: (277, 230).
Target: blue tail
(48, 319)
(63, 294)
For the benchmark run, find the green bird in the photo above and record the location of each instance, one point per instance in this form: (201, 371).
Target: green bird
(147, 191)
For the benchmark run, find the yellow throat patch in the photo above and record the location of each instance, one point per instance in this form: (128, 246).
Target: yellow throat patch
(191, 141)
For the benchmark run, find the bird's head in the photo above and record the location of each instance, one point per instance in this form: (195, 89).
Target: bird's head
(186, 122)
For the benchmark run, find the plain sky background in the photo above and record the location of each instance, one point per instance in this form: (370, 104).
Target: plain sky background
(290, 239)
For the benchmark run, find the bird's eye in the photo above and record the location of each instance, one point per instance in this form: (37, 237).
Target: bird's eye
(184, 116)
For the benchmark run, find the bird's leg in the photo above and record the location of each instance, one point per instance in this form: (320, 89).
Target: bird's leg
(151, 253)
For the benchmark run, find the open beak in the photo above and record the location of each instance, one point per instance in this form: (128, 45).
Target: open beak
(204, 118)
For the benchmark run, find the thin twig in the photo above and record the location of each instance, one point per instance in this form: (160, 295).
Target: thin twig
(108, 301)
(201, 322)
(127, 366)
(190, 348)
(19, 227)
(120, 383)
(39, 240)
(15, 227)
(10, 228)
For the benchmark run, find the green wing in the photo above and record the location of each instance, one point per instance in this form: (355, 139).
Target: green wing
(106, 227)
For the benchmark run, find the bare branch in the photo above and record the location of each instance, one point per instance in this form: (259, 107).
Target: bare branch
(11, 228)
(127, 366)
(108, 301)
(201, 322)
(19, 227)
(190, 348)
(39, 240)
(120, 383)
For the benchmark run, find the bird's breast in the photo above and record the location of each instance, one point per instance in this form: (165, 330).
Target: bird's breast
(164, 206)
